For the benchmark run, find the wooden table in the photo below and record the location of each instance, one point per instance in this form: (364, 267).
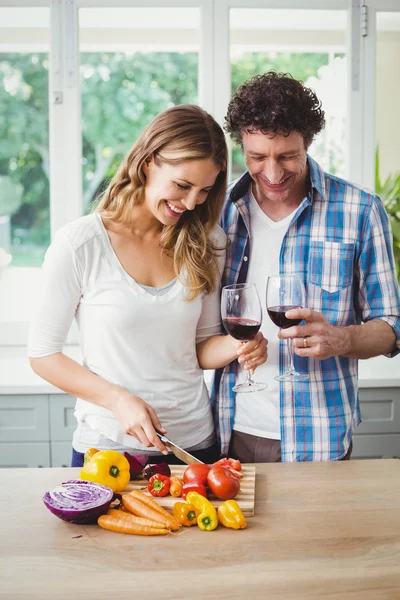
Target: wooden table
(321, 530)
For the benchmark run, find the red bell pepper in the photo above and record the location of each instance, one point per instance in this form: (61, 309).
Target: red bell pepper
(194, 486)
(159, 485)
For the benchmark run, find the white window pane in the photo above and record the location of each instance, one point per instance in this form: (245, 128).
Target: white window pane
(24, 150)
(308, 44)
(388, 91)
(387, 84)
(135, 63)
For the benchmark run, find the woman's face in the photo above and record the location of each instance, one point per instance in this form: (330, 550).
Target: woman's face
(171, 190)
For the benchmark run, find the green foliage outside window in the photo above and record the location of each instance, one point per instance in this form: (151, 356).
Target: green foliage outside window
(299, 65)
(120, 94)
(389, 191)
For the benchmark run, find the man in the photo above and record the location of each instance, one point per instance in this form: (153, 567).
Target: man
(286, 216)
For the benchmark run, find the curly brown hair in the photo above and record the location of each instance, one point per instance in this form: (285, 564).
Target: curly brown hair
(274, 102)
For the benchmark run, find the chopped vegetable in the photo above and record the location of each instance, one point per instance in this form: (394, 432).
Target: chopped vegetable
(159, 485)
(207, 519)
(136, 463)
(233, 465)
(78, 501)
(186, 513)
(117, 520)
(151, 470)
(109, 468)
(175, 489)
(142, 507)
(230, 515)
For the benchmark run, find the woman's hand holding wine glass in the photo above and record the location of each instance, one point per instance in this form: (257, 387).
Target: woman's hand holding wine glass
(241, 317)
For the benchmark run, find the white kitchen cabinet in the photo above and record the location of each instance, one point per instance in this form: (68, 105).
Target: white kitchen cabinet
(62, 420)
(24, 454)
(60, 454)
(24, 418)
(36, 430)
(378, 436)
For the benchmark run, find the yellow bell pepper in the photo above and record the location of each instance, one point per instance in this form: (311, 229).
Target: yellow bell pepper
(230, 515)
(207, 519)
(109, 468)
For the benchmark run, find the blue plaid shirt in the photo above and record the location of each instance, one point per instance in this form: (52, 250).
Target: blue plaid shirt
(339, 241)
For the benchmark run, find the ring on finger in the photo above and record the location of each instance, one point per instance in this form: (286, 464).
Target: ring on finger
(305, 343)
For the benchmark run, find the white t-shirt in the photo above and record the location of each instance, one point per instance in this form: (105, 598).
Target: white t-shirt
(145, 343)
(257, 413)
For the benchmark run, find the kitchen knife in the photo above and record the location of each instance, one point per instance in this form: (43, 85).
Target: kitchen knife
(184, 456)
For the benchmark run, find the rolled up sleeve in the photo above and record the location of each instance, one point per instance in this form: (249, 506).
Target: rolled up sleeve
(379, 296)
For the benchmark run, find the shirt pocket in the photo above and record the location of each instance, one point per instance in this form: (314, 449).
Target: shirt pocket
(331, 265)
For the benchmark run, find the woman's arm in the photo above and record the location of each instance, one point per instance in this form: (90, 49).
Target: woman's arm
(220, 350)
(215, 350)
(62, 288)
(136, 417)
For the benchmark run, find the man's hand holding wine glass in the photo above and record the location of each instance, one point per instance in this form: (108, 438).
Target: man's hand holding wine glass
(323, 340)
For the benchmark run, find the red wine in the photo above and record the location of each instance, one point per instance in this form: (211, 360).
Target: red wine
(277, 316)
(241, 329)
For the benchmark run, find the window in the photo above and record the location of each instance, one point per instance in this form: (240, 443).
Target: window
(134, 63)
(311, 46)
(24, 131)
(78, 82)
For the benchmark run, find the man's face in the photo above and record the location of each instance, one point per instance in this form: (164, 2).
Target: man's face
(277, 164)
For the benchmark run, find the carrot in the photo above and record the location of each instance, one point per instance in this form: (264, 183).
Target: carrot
(134, 518)
(150, 502)
(141, 509)
(121, 522)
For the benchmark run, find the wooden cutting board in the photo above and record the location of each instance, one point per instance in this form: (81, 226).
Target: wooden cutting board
(245, 497)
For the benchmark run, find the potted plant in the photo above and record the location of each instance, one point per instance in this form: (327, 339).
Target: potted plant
(389, 191)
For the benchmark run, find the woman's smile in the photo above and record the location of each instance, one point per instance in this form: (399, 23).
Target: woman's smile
(173, 210)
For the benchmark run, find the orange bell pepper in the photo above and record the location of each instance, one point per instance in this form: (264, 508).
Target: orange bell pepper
(90, 452)
(185, 513)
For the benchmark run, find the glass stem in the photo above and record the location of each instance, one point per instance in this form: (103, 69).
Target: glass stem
(249, 380)
(290, 352)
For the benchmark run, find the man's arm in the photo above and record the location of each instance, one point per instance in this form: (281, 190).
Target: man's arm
(324, 340)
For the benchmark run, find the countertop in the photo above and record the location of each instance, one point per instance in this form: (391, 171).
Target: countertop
(320, 530)
(17, 377)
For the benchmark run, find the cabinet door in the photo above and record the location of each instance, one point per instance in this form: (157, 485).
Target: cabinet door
(24, 418)
(33, 454)
(62, 420)
(376, 446)
(380, 411)
(60, 453)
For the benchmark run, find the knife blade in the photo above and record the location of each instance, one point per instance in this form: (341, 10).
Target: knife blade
(184, 456)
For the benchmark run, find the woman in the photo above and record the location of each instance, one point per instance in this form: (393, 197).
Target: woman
(141, 277)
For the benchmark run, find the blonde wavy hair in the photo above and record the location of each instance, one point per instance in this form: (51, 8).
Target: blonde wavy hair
(181, 133)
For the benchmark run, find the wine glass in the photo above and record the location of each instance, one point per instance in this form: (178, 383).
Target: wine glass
(285, 292)
(241, 316)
